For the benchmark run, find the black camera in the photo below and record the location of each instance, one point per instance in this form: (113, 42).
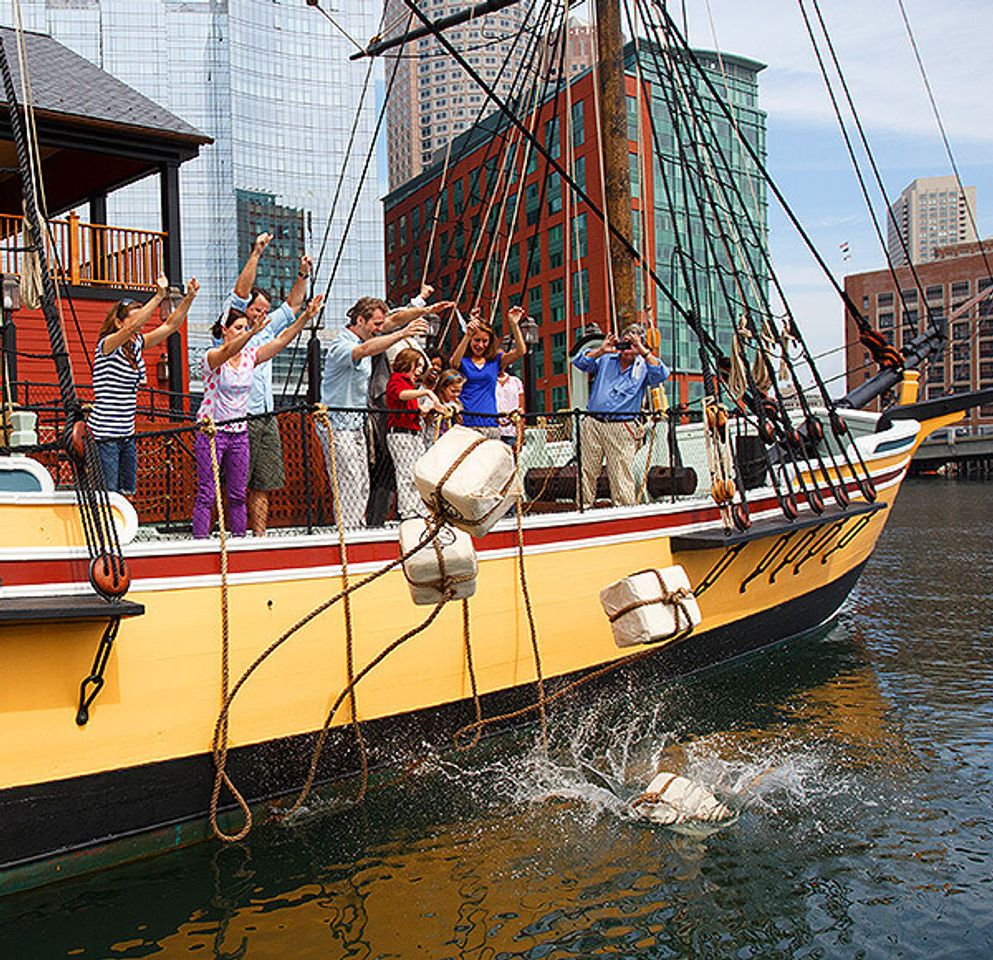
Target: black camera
(623, 344)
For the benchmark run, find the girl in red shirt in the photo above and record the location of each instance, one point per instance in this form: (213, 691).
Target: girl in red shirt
(403, 426)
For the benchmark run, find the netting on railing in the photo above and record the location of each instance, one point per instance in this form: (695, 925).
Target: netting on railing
(375, 466)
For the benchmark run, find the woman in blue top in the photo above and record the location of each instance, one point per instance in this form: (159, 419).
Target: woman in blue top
(479, 359)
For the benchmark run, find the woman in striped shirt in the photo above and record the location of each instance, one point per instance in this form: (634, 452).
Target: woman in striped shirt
(118, 371)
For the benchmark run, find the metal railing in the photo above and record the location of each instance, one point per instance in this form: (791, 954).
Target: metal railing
(91, 254)
(551, 459)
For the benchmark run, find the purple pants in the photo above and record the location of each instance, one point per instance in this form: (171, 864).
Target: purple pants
(232, 458)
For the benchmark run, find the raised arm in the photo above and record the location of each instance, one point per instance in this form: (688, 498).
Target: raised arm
(268, 350)
(298, 292)
(246, 279)
(374, 345)
(514, 315)
(459, 352)
(229, 348)
(136, 319)
(176, 318)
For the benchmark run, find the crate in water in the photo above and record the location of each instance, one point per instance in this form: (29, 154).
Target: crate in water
(450, 560)
(651, 606)
(475, 478)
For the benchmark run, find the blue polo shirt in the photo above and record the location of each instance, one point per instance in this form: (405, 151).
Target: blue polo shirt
(616, 392)
(346, 381)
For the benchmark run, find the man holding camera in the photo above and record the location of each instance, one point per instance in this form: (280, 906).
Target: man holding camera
(623, 370)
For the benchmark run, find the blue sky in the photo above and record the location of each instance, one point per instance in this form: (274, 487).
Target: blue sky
(806, 154)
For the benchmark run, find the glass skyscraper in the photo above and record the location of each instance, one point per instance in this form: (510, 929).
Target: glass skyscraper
(270, 81)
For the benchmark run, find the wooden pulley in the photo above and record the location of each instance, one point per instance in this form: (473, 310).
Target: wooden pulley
(767, 431)
(109, 575)
(77, 440)
(841, 496)
(815, 500)
(794, 436)
(814, 429)
(739, 514)
(838, 426)
(868, 489)
(653, 339)
(789, 506)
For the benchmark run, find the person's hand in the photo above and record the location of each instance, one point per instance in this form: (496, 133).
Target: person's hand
(426, 291)
(312, 308)
(639, 346)
(261, 242)
(306, 265)
(257, 325)
(442, 305)
(162, 286)
(416, 328)
(515, 314)
(473, 327)
(609, 345)
(192, 289)
(476, 313)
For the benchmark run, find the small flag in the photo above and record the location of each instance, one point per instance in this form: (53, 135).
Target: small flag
(846, 253)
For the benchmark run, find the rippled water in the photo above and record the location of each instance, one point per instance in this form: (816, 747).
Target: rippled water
(860, 761)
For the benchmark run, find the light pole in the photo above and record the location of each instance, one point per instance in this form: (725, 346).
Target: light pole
(8, 336)
(531, 334)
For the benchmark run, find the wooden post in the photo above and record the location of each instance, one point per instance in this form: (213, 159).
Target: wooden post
(173, 269)
(614, 145)
(74, 271)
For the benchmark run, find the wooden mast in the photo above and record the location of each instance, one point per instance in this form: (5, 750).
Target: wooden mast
(614, 155)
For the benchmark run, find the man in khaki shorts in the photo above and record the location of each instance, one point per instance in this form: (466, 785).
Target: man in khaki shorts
(265, 469)
(624, 369)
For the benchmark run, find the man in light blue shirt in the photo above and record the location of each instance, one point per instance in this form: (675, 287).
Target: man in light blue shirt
(265, 471)
(623, 369)
(345, 384)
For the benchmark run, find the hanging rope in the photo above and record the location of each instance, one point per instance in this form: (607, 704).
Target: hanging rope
(220, 747)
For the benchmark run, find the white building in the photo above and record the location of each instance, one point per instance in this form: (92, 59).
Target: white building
(270, 81)
(931, 212)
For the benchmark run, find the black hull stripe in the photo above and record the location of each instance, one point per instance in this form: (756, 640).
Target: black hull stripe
(46, 829)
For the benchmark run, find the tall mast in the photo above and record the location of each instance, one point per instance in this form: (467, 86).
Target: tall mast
(614, 154)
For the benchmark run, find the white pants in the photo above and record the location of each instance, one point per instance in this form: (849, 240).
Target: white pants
(352, 464)
(405, 448)
(616, 443)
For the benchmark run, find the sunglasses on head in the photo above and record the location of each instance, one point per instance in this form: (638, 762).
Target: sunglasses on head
(124, 304)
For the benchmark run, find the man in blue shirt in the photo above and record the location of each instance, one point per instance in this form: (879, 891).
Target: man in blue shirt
(347, 369)
(265, 470)
(623, 370)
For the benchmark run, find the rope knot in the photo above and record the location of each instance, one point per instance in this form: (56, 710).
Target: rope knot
(207, 427)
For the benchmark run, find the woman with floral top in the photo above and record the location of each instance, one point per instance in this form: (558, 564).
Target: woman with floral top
(227, 382)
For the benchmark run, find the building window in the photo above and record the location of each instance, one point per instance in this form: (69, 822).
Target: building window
(554, 190)
(960, 372)
(885, 321)
(581, 292)
(579, 240)
(390, 238)
(552, 144)
(909, 296)
(457, 197)
(579, 173)
(634, 170)
(534, 304)
(960, 289)
(558, 353)
(531, 208)
(884, 299)
(935, 293)
(578, 123)
(560, 398)
(556, 300)
(960, 331)
(555, 246)
(537, 355)
(960, 351)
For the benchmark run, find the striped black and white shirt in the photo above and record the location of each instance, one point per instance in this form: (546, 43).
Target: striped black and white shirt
(115, 390)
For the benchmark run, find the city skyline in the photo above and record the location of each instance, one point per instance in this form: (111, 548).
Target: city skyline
(279, 105)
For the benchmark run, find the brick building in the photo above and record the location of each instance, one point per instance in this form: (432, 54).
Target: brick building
(957, 274)
(555, 263)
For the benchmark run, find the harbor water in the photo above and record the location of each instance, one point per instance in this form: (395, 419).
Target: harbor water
(859, 760)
